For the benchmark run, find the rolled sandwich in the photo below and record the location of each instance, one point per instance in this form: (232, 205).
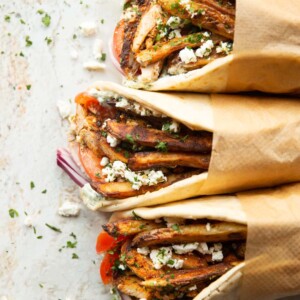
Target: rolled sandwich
(186, 45)
(185, 250)
(141, 148)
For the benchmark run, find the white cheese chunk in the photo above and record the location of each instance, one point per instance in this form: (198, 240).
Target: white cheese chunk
(187, 55)
(88, 28)
(64, 108)
(217, 256)
(143, 250)
(112, 141)
(104, 161)
(185, 248)
(69, 209)
(94, 66)
(205, 49)
(208, 227)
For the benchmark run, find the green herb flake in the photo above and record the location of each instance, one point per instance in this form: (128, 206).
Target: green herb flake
(71, 245)
(32, 185)
(21, 54)
(73, 235)
(175, 227)
(142, 226)
(103, 57)
(183, 139)
(111, 252)
(44, 191)
(102, 21)
(162, 146)
(41, 285)
(22, 21)
(46, 20)
(39, 237)
(166, 126)
(103, 133)
(75, 256)
(135, 216)
(48, 40)
(13, 213)
(40, 11)
(34, 229)
(53, 228)
(129, 138)
(28, 87)
(74, 36)
(28, 41)
(7, 18)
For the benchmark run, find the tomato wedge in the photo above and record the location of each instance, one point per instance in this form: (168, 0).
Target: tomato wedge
(118, 39)
(105, 242)
(106, 267)
(86, 100)
(91, 164)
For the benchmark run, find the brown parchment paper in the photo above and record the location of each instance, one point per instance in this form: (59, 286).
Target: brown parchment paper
(266, 54)
(272, 268)
(255, 143)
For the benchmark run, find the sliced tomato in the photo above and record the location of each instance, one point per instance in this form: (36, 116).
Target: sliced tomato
(86, 100)
(106, 267)
(118, 39)
(91, 163)
(105, 242)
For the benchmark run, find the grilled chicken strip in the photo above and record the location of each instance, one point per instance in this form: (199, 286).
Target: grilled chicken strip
(150, 137)
(219, 232)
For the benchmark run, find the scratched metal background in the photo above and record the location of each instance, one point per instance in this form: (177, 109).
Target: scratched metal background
(30, 132)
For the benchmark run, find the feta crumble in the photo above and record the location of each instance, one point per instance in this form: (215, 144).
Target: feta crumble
(172, 221)
(143, 250)
(205, 49)
(104, 161)
(120, 170)
(187, 55)
(28, 221)
(94, 66)
(193, 288)
(112, 141)
(208, 227)
(88, 28)
(69, 209)
(185, 248)
(174, 22)
(163, 257)
(98, 49)
(64, 108)
(121, 267)
(225, 47)
(217, 256)
(174, 34)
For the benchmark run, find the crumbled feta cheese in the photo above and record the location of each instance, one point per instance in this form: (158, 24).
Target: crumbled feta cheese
(104, 161)
(206, 34)
(98, 49)
(88, 28)
(122, 102)
(121, 267)
(174, 127)
(187, 55)
(175, 263)
(64, 108)
(225, 47)
(174, 34)
(74, 54)
(217, 256)
(130, 13)
(172, 221)
(174, 22)
(185, 248)
(160, 256)
(143, 250)
(137, 179)
(187, 6)
(94, 66)
(69, 209)
(193, 288)
(205, 49)
(112, 141)
(28, 221)
(208, 227)
(203, 248)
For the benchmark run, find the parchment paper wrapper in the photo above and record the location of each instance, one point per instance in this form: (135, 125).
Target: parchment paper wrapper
(272, 267)
(255, 143)
(266, 54)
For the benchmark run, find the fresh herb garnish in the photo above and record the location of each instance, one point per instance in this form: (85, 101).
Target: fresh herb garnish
(22, 21)
(129, 138)
(184, 138)
(162, 146)
(44, 191)
(39, 237)
(103, 57)
(28, 41)
(71, 244)
(75, 256)
(175, 227)
(13, 213)
(40, 11)
(73, 236)
(135, 216)
(142, 226)
(7, 18)
(48, 40)
(46, 20)
(28, 87)
(32, 185)
(53, 228)
(103, 133)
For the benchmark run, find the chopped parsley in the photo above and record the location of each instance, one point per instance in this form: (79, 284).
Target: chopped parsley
(135, 216)
(73, 235)
(103, 57)
(28, 87)
(48, 40)
(74, 36)
(129, 138)
(32, 185)
(40, 11)
(44, 191)
(46, 20)
(175, 227)
(103, 133)
(39, 237)
(7, 18)
(142, 226)
(75, 256)
(53, 228)
(13, 213)
(102, 21)
(21, 54)
(166, 126)
(184, 138)
(28, 41)
(162, 146)
(71, 245)
(22, 21)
